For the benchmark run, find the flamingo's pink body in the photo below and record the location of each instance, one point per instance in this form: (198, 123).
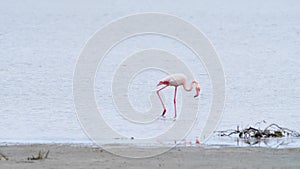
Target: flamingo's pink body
(176, 80)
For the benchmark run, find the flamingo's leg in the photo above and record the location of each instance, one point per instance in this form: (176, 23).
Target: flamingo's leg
(175, 101)
(164, 112)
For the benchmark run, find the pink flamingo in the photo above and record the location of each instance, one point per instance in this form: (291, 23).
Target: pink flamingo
(176, 80)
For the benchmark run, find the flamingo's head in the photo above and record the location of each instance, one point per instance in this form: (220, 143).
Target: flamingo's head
(197, 90)
(163, 83)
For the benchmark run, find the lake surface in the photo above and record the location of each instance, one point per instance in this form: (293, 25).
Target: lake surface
(257, 42)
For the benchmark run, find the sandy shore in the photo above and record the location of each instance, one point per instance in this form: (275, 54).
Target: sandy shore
(75, 156)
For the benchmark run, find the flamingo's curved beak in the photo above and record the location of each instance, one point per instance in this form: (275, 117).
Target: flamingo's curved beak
(160, 83)
(163, 83)
(197, 90)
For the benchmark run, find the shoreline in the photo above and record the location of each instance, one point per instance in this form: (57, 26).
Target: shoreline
(83, 156)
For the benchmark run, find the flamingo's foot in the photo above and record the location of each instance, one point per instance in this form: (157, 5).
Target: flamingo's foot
(163, 114)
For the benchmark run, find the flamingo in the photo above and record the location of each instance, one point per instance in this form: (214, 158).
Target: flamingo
(176, 80)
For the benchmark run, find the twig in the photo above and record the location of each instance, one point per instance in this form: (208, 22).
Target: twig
(4, 156)
(46, 156)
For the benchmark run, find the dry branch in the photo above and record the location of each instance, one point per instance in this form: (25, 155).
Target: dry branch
(272, 130)
(42, 155)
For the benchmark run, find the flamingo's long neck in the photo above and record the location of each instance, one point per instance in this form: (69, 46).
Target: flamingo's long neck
(191, 86)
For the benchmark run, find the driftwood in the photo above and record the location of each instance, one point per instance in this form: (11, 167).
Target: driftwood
(272, 130)
(42, 155)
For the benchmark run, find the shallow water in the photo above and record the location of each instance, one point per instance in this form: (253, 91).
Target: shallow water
(257, 42)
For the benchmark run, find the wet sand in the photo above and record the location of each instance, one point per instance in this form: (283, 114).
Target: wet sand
(78, 156)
